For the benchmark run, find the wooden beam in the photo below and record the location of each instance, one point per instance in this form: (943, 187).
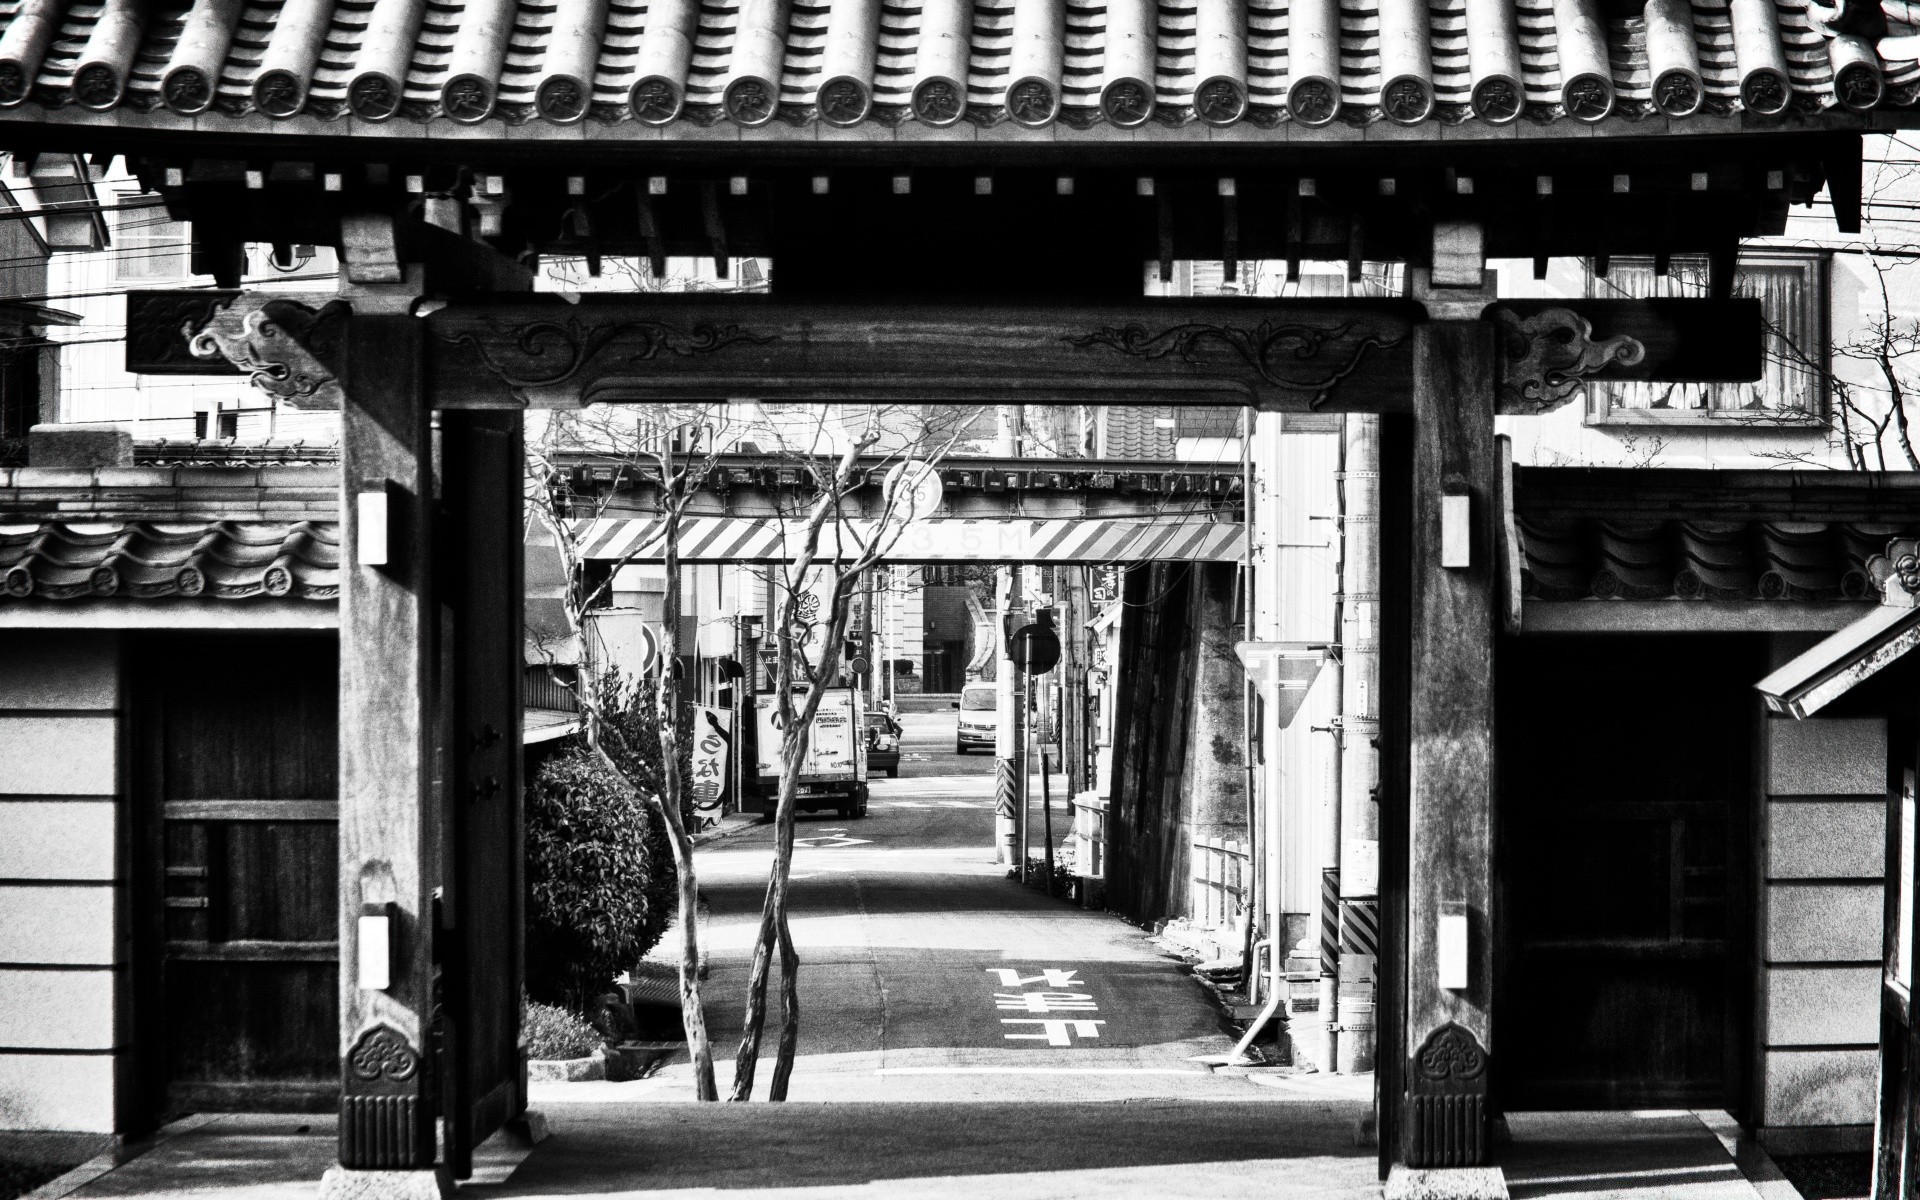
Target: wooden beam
(1280, 356)
(1450, 884)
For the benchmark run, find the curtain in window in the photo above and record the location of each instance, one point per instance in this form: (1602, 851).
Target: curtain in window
(1789, 382)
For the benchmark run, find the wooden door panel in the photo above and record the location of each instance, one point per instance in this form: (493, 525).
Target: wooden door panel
(252, 1035)
(1623, 1034)
(1622, 844)
(238, 954)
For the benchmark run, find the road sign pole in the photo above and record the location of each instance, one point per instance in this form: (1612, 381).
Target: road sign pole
(1025, 760)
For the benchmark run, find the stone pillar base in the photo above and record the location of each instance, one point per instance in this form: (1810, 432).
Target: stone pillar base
(527, 1129)
(1446, 1183)
(343, 1183)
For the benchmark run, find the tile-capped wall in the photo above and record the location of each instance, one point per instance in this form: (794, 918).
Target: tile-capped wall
(62, 870)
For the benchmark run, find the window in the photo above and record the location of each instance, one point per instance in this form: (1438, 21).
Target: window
(1900, 958)
(148, 246)
(1792, 289)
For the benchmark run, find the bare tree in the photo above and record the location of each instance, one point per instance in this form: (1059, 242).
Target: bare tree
(673, 448)
(837, 541)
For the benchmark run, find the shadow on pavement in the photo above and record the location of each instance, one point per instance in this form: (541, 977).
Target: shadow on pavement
(604, 1148)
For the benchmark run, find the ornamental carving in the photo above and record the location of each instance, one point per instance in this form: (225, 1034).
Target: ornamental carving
(1312, 101)
(544, 353)
(97, 86)
(562, 98)
(467, 98)
(159, 325)
(1303, 358)
(1764, 91)
(938, 101)
(1031, 102)
(655, 101)
(277, 93)
(1676, 93)
(1126, 103)
(373, 96)
(383, 1054)
(844, 101)
(1451, 1054)
(1496, 98)
(13, 83)
(1858, 86)
(1220, 101)
(1407, 101)
(187, 90)
(1546, 357)
(1897, 573)
(750, 101)
(280, 345)
(1588, 97)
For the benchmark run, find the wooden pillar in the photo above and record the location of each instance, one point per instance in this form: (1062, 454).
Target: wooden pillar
(387, 767)
(1450, 867)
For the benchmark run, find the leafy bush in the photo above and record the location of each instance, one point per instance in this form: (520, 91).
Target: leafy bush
(597, 864)
(634, 744)
(553, 1032)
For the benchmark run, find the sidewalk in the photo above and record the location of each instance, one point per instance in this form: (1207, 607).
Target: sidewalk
(1221, 1150)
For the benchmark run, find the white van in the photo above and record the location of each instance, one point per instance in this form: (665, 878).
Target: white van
(979, 707)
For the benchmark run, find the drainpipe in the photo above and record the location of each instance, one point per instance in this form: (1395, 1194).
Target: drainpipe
(1330, 960)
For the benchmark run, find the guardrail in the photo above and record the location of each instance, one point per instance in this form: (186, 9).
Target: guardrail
(1220, 869)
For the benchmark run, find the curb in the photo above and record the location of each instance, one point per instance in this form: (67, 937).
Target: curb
(728, 826)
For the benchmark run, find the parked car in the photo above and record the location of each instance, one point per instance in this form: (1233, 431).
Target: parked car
(979, 706)
(883, 744)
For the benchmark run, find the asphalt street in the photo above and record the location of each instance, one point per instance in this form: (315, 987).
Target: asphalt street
(927, 975)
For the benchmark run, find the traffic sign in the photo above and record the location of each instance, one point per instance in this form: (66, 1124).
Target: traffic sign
(1035, 649)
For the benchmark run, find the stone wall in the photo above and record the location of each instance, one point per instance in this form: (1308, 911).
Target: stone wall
(63, 931)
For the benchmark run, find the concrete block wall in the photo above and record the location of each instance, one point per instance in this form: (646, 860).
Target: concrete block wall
(1824, 856)
(63, 945)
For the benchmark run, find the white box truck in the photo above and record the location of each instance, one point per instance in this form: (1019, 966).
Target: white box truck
(834, 775)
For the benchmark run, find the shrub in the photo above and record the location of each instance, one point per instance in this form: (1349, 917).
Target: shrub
(553, 1032)
(627, 707)
(596, 859)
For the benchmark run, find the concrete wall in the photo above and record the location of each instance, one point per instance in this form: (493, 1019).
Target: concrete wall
(1823, 854)
(63, 943)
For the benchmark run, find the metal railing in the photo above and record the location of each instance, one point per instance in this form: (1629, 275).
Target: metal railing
(1220, 870)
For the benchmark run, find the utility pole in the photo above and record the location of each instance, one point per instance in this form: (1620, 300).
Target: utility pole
(1359, 735)
(1008, 746)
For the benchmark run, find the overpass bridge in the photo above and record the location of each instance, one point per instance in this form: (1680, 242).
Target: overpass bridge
(751, 508)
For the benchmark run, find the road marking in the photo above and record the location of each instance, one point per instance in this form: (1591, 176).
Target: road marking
(1054, 977)
(830, 839)
(1036, 1071)
(1042, 1002)
(1054, 1032)
(932, 804)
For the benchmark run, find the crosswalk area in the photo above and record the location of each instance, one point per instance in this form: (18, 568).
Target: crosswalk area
(931, 804)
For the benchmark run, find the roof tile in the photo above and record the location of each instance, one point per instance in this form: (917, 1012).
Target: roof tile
(494, 65)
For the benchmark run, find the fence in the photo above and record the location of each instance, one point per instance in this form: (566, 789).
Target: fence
(1220, 870)
(1087, 846)
(542, 688)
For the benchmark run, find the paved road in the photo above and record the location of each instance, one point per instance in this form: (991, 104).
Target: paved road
(928, 975)
(926, 750)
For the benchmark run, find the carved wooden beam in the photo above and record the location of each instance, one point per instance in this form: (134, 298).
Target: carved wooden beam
(1274, 355)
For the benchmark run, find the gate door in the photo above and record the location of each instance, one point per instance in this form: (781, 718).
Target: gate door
(1624, 870)
(481, 955)
(235, 915)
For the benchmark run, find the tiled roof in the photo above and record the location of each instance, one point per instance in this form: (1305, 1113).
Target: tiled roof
(1700, 560)
(797, 64)
(230, 560)
(1708, 535)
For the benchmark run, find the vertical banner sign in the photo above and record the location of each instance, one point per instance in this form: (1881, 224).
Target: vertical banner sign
(712, 734)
